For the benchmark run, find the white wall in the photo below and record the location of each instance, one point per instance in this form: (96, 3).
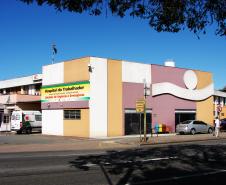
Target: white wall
(52, 122)
(53, 74)
(98, 97)
(136, 72)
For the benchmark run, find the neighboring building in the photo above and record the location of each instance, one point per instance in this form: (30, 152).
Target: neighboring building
(19, 94)
(96, 97)
(219, 104)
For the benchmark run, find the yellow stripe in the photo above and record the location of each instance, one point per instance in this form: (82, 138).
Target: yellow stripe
(79, 128)
(115, 118)
(76, 70)
(204, 109)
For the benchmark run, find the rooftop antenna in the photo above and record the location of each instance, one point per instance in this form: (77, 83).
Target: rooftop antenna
(54, 52)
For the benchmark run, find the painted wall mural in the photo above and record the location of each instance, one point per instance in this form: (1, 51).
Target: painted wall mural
(191, 93)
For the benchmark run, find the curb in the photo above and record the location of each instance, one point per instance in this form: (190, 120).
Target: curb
(180, 141)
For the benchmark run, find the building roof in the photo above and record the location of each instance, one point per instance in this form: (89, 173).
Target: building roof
(220, 93)
(15, 82)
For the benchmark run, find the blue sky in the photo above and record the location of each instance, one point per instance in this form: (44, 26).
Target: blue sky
(27, 32)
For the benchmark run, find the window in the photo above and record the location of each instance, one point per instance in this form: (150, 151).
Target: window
(17, 117)
(38, 117)
(72, 114)
(6, 118)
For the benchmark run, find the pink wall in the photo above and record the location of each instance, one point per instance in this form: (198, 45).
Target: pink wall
(63, 105)
(163, 106)
(131, 93)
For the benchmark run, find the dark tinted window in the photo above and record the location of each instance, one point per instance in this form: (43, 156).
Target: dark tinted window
(185, 122)
(196, 122)
(72, 114)
(38, 117)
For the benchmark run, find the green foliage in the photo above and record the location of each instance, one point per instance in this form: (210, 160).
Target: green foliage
(224, 89)
(163, 15)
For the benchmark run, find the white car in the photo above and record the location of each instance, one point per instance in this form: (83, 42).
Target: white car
(193, 127)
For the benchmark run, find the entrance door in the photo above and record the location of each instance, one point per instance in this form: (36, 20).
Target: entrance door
(184, 115)
(135, 121)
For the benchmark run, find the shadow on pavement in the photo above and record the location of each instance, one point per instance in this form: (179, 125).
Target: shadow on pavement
(183, 164)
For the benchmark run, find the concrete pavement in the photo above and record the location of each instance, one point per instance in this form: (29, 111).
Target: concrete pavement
(11, 143)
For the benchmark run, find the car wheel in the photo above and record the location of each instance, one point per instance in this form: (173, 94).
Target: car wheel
(19, 132)
(28, 131)
(210, 130)
(193, 131)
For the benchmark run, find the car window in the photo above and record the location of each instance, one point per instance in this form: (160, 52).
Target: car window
(185, 122)
(196, 122)
(203, 123)
(13, 117)
(38, 117)
(17, 117)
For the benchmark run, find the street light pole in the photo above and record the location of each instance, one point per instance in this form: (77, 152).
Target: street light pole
(146, 93)
(145, 119)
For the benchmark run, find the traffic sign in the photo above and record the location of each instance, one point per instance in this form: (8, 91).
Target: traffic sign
(219, 108)
(140, 105)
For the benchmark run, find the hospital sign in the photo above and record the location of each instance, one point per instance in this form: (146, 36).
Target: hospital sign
(77, 91)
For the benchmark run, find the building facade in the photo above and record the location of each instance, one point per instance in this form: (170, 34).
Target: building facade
(219, 106)
(96, 97)
(19, 94)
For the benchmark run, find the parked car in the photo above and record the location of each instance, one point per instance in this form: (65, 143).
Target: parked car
(193, 127)
(223, 124)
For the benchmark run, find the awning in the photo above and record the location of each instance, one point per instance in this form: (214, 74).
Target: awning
(185, 111)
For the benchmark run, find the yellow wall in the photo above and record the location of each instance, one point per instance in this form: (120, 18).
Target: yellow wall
(224, 113)
(76, 70)
(115, 118)
(204, 109)
(79, 128)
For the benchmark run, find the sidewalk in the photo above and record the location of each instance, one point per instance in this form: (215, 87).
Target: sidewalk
(33, 143)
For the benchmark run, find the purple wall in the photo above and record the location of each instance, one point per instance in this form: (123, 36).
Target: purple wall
(133, 92)
(163, 106)
(63, 105)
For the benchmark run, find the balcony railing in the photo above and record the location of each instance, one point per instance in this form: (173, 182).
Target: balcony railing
(15, 98)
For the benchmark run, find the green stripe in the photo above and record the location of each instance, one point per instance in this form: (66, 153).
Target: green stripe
(68, 84)
(78, 99)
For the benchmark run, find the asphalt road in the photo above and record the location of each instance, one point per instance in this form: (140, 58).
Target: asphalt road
(199, 162)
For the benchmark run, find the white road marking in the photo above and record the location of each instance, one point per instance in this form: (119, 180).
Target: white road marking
(126, 162)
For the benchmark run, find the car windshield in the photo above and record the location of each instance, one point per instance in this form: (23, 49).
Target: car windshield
(185, 122)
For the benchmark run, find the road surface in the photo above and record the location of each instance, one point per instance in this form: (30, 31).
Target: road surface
(197, 162)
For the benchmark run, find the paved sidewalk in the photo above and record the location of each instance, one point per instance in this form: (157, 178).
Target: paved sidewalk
(36, 142)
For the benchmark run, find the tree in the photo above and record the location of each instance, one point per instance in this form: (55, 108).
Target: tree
(224, 89)
(163, 15)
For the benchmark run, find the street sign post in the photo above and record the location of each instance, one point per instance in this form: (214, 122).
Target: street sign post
(140, 109)
(140, 105)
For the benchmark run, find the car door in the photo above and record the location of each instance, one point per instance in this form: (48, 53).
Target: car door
(203, 127)
(196, 126)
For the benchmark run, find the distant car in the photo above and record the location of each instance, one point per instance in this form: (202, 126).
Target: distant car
(223, 124)
(193, 127)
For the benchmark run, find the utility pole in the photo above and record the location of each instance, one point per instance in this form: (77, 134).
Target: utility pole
(146, 93)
